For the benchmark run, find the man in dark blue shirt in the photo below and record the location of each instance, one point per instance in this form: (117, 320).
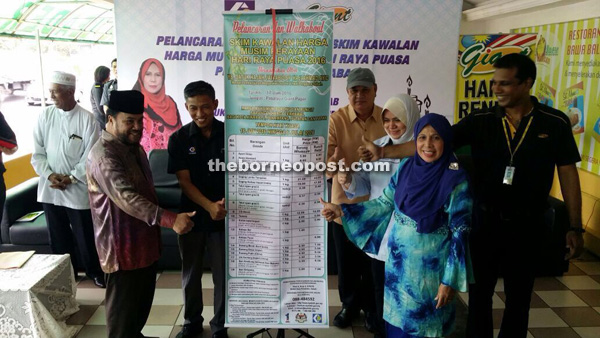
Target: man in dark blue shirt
(516, 147)
(191, 148)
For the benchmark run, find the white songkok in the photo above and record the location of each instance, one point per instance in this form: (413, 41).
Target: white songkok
(63, 78)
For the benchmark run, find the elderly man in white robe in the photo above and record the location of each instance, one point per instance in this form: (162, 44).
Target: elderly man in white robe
(63, 137)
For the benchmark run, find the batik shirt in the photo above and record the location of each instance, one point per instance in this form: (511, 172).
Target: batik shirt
(417, 263)
(124, 206)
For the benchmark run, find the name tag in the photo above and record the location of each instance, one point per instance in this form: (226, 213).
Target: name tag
(509, 174)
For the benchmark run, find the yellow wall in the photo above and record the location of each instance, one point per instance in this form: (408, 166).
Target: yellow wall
(18, 170)
(590, 198)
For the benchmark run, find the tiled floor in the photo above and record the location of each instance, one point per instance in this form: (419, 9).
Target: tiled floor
(561, 307)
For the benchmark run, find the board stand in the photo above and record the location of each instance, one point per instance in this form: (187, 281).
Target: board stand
(280, 333)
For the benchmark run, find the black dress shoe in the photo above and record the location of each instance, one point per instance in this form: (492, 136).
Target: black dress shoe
(220, 334)
(371, 322)
(188, 332)
(344, 318)
(99, 282)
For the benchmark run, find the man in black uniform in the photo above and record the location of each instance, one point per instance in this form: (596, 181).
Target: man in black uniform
(511, 186)
(203, 191)
(110, 85)
(515, 147)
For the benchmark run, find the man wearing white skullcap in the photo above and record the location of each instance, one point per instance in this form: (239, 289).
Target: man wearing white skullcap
(64, 134)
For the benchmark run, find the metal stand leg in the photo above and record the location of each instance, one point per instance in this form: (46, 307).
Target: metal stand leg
(280, 333)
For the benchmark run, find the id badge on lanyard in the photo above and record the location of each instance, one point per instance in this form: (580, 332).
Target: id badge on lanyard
(509, 172)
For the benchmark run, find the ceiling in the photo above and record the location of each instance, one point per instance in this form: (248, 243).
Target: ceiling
(62, 20)
(92, 21)
(485, 9)
(471, 3)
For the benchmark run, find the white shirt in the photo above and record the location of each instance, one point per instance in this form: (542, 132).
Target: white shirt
(372, 183)
(62, 141)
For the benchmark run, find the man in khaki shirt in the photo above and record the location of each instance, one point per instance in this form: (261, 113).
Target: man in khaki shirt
(347, 126)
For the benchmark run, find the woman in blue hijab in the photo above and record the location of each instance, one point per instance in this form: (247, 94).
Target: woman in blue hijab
(399, 115)
(427, 258)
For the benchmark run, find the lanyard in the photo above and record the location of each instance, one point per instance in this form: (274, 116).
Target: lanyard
(508, 138)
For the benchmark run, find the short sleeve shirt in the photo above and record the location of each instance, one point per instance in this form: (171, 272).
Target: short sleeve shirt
(346, 130)
(547, 143)
(190, 150)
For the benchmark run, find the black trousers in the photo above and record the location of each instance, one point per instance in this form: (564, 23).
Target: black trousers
(192, 247)
(72, 231)
(129, 295)
(507, 247)
(355, 278)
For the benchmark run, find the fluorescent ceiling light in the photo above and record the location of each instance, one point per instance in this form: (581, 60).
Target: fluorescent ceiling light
(494, 8)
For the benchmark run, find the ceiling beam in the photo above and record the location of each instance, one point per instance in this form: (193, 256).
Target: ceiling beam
(467, 5)
(499, 7)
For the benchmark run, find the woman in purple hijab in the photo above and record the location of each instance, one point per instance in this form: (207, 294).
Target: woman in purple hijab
(428, 257)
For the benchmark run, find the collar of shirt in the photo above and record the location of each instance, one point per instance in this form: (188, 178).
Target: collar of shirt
(67, 112)
(500, 112)
(117, 143)
(354, 117)
(214, 130)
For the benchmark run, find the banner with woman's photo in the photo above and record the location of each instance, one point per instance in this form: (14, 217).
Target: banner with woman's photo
(162, 45)
(568, 79)
(409, 45)
(277, 89)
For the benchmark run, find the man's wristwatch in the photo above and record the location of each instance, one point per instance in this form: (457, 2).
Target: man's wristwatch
(578, 230)
(73, 179)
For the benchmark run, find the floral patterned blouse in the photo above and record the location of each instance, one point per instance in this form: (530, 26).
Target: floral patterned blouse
(417, 262)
